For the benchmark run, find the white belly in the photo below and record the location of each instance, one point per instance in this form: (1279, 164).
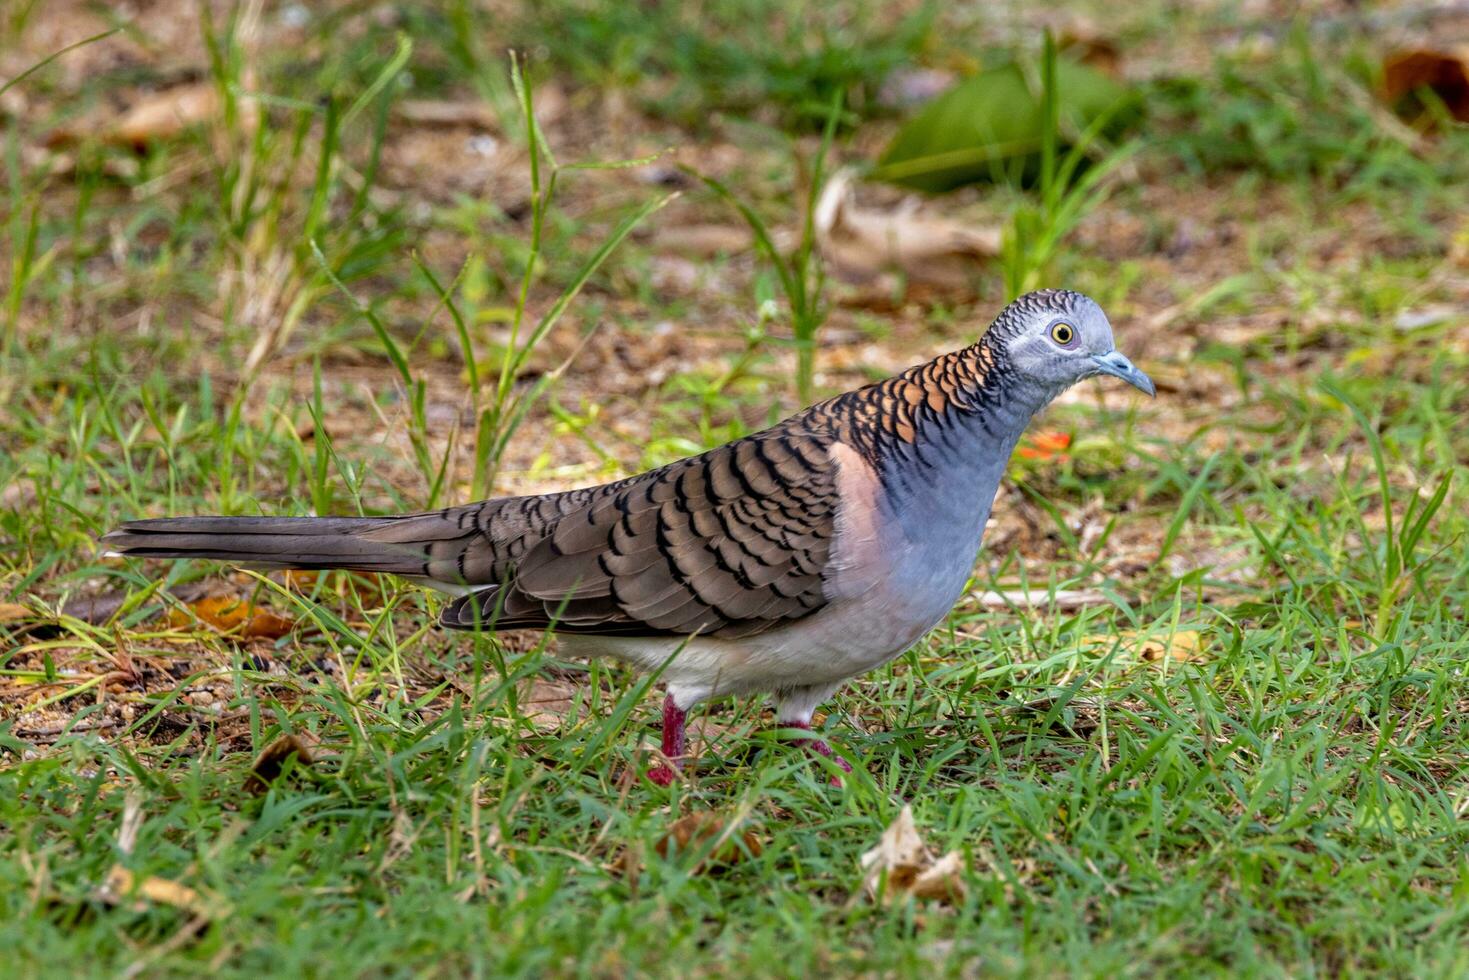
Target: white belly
(840, 641)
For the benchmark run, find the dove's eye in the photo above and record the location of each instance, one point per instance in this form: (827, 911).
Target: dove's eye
(1064, 334)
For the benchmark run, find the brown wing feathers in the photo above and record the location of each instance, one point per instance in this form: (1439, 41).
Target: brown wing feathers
(729, 543)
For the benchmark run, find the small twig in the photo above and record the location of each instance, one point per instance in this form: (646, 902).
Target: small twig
(51, 732)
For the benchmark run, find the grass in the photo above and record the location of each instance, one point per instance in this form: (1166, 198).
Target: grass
(779, 61)
(1065, 192)
(1283, 793)
(800, 275)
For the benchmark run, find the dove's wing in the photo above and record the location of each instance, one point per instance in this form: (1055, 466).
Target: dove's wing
(728, 543)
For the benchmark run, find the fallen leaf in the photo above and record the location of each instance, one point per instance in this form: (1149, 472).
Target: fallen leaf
(942, 881)
(237, 617)
(703, 829)
(166, 114)
(1081, 39)
(696, 831)
(1182, 646)
(987, 124)
(123, 888)
(435, 112)
(157, 116)
(861, 244)
(546, 702)
(1444, 72)
(94, 609)
(269, 764)
(370, 587)
(704, 241)
(11, 612)
(1045, 446)
(901, 867)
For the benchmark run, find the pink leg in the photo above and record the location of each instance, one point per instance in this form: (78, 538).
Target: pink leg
(819, 746)
(673, 743)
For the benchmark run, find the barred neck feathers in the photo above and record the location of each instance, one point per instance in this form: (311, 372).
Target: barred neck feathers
(935, 412)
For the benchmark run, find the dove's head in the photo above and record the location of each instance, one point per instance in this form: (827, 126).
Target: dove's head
(1054, 338)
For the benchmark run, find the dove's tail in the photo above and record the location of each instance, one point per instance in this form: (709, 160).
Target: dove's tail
(364, 544)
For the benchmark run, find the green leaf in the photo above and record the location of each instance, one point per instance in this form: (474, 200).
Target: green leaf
(993, 124)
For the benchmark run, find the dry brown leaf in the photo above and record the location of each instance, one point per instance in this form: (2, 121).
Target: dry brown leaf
(1445, 72)
(370, 587)
(546, 702)
(122, 887)
(697, 829)
(166, 114)
(942, 881)
(1182, 646)
(1082, 39)
(719, 832)
(862, 245)
(704, 241)
(901, 867)
(156, 116)
(238, 617)
(11, 612)
(271, 761)
(436, 112)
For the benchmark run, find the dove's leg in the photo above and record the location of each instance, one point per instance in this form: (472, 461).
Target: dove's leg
(674, 719)
(794, 708)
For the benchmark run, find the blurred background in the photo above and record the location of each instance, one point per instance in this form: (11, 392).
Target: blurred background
(219, 191)
(1203, 704)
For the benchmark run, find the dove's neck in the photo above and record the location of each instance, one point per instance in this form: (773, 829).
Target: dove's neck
(943, 480)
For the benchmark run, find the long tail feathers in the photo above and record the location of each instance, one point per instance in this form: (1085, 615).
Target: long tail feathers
(282, 542)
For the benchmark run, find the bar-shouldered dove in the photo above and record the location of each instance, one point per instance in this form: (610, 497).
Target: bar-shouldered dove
(785, 562)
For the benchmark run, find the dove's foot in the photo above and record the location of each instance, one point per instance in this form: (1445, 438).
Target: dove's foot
(674, 720)
(662, 775)
(820, 747)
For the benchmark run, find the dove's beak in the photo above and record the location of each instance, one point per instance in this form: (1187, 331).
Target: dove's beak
(1117, 365)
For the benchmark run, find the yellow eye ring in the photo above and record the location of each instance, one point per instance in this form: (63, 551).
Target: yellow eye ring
(1063, 334)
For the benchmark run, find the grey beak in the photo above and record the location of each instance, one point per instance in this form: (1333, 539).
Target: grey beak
(1117, 365)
